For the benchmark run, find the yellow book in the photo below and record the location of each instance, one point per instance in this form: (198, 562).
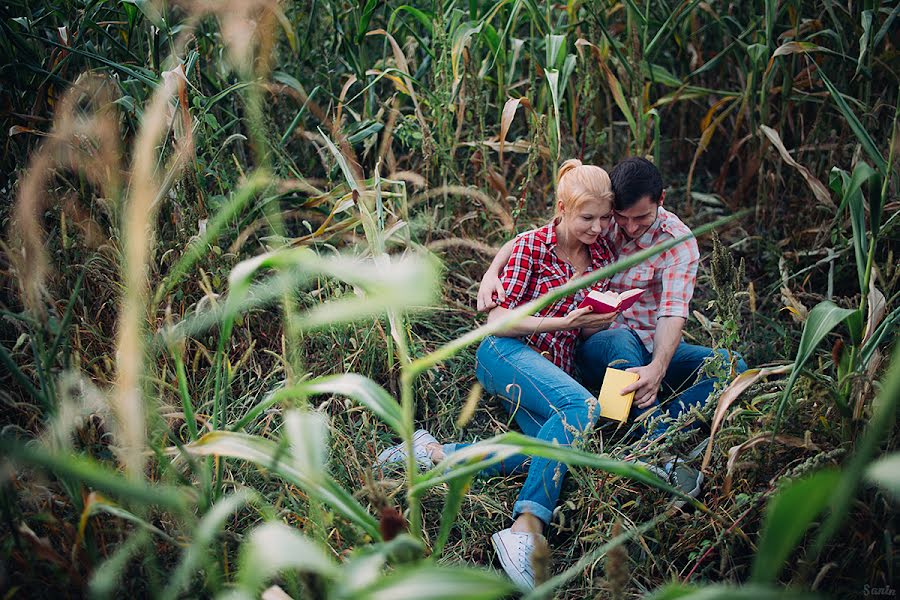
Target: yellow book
(612, 404)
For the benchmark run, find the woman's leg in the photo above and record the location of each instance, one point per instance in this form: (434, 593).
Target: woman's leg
(549, 405)
(492, 369)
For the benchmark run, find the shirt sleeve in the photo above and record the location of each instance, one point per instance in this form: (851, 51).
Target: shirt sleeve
(517, 274)
(678, 279)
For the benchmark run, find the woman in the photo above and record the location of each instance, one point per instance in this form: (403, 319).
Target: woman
(529, 364)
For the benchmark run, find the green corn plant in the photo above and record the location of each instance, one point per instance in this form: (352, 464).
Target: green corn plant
(867, 324)
(202, 494)
(793, 510)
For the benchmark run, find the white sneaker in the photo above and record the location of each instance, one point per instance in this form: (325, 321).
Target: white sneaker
(395, 454)
(514, 549)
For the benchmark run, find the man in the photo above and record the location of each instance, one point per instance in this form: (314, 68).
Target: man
(645, 339)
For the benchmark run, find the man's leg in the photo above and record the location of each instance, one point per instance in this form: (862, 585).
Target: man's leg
(619, 348)
(548, 395)
(685, 382)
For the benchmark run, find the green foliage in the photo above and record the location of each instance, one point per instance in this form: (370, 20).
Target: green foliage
(788, 516)
(283, 255)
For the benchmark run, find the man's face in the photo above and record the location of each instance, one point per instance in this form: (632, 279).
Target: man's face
(637, 219)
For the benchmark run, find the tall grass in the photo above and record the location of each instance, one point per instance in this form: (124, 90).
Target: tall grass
(201, 387)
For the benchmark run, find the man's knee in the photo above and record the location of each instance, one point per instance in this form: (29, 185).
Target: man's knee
(618, 347)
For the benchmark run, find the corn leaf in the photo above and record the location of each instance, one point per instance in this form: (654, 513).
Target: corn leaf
(307, 432)
(106, 578)
(552, 76)
(788, 516)
(474, 458)
(506, 119)
(424, 19)
(885, 472)
(862, 134)
(452, 503)
(851, 190)
(204, 534)
(431, 582)
(818, 188)
(268, 455)
(864, 40)
(274, 547)
(824, 317)
(362, 390)
(883, 419)
(95, 475)
(618, 95)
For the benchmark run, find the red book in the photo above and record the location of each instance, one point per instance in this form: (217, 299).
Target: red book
(607, 302)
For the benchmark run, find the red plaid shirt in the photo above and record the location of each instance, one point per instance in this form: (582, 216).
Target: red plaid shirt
(669, 277)
(534, 270)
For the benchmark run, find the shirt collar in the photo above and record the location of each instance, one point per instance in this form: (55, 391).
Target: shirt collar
(547, 234)
(598, 257)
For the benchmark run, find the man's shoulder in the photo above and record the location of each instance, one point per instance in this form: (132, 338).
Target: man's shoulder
(671, 224)
(675, 228)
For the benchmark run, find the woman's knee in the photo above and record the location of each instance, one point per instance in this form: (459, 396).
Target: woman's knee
(580, 413)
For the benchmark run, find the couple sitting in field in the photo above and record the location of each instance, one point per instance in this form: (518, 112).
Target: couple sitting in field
(543, 365)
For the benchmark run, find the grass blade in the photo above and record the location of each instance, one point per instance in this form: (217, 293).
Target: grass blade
(885, 472)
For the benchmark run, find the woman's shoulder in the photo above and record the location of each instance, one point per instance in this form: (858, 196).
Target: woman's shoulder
(532, 237)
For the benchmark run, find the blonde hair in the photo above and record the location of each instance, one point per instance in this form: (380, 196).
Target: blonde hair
(577, 183)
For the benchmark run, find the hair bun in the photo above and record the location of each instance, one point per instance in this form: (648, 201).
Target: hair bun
(569, 165)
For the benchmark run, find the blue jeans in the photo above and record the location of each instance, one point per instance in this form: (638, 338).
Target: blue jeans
(546, 402)
(684, 384)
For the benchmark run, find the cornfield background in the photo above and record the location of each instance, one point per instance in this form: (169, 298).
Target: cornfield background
(242, 244)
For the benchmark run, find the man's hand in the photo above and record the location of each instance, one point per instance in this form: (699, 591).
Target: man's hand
(645, 388)
(490, 285)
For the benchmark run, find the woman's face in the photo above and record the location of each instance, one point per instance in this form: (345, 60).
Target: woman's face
(587, 221)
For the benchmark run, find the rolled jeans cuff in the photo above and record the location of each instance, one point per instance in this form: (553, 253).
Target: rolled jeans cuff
(449, 448)
(538, 510)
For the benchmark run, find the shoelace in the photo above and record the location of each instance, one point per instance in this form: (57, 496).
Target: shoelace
(523, 553)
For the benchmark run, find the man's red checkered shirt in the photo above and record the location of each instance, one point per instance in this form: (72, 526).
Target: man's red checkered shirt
(534, 270)
(669, 277)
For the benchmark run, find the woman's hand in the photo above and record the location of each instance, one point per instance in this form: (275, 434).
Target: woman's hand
(586, 318)
(490, 285)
